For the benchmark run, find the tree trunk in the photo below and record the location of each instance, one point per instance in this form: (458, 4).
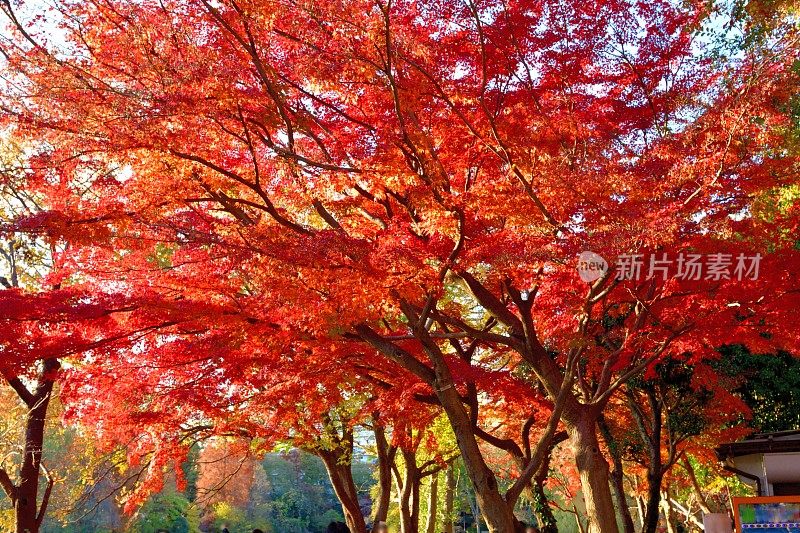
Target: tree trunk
(618, 484)
(409, 487)
(544, 514)
(341, 477)
(498, 514)
(28, 513)
(640, 509)
(688, 517)
(26, 507)
(581, 529)
(386, 455)
(653, 500)
(617, 476)
(698, 492)
(655, 469)
(499, 517)
(593, 470)
(433, 504)
(476, 513)
(668, 513)
(415, 489)
(404, 505)
(449, 496)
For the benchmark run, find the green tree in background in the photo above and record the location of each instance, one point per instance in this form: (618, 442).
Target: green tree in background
(190, 473)
(769, 385)
(168, 510)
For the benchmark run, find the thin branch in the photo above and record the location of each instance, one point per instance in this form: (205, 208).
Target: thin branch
(8, 486)
(46, 497)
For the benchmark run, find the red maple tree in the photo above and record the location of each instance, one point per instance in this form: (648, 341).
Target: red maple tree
(405, 186)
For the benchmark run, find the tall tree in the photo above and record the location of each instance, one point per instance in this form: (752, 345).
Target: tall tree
(47, 318)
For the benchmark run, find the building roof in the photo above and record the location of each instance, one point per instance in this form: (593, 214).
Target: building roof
(778, 442)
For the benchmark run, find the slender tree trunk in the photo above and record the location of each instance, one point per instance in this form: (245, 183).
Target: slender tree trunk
(404, 503)
(698, 492)
(28, 512)
(581, 529)
(415, 490)
(617, 476)
(498, 514)
(341, 477)
(654, 479)
(409, 487)
(618, 484)
(433, 504)
(668, 513)
(655, 470)
(686, 512)
(386, 455)
(449, 496)
(26, 508)
(544, 514)
(640, 509)
(593, 470)
(476, 513)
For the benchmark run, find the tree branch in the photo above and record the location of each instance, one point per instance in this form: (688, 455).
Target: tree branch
(396, 354)
(8, 486)
(46, 497)
(22, 391)
(491, 303)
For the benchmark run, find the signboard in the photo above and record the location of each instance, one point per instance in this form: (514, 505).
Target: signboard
(771, 514)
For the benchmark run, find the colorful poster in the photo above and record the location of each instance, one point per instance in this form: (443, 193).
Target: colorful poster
(766, 515)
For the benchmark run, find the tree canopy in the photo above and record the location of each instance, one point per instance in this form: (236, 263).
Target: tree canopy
(275, 220)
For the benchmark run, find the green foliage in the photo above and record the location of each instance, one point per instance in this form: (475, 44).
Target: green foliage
(168, 510)
(191, 472)
(708, 476)
(685, 403)
(320, 523)
(768, 384)
(301, 498)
